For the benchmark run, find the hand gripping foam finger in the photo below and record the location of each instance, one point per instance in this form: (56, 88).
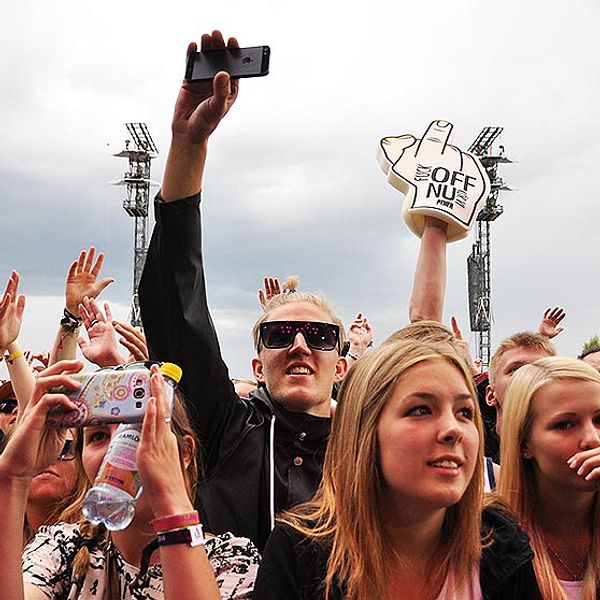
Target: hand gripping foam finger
(437, 179)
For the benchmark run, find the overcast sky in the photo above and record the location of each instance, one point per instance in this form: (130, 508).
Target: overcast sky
(292, 184)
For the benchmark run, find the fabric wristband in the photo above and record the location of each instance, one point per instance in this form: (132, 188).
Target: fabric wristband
(193, 536)
(70, 322)
(171, 522)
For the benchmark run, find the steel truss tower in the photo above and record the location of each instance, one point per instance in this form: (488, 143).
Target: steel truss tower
(137, 181)
(479, 261)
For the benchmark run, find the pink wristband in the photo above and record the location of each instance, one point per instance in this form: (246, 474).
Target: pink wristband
(163, 524)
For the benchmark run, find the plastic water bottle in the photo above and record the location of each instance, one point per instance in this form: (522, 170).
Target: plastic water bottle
(117, 487)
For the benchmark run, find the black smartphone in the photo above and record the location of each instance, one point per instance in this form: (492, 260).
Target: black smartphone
(238, 62)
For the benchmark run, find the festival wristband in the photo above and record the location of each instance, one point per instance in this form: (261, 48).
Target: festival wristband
(171, 522)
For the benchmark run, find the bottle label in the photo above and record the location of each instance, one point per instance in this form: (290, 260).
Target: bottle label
(119, 466)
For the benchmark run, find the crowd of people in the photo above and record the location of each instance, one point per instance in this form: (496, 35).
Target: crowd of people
(341, 471)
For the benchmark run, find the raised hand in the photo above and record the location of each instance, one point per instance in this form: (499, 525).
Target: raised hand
(133, 339)
(463, 348)
(102, 348)
(200, 106)
(272, 288)
(33, 445)
(12, 306)
(438, 179)
(360, 336)
(158, 460)
(549, 325)
(82, 279)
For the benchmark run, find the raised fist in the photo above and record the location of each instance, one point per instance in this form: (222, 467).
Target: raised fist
(437, 179)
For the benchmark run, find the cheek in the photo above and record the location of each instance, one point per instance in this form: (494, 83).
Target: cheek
(91, 460)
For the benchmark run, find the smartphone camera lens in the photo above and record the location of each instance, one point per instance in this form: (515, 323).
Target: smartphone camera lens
(139, 392)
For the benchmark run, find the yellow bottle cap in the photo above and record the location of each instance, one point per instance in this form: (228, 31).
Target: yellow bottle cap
(172, 371)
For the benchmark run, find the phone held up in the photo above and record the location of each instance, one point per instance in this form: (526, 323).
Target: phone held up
(116, 395)
(238, 62)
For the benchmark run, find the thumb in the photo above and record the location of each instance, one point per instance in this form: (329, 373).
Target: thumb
(104, 284)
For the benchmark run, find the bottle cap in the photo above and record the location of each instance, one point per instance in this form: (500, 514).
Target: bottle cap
(172, 371)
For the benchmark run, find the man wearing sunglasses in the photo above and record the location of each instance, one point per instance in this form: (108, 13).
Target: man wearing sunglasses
(264, 453)
(261, 454)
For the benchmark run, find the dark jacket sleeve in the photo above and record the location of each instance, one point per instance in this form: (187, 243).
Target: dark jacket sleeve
(278, 575)
(177, 322)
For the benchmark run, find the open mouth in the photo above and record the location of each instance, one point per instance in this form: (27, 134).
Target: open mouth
(299, 370)
(445, 464)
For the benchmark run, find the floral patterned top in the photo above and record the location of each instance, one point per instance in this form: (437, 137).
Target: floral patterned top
(47, 564)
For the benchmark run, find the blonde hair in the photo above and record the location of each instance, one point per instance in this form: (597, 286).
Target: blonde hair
(517, 483)
(96, 534)
(344, 514)
(292, 298)
(524, 339)
(424, 331)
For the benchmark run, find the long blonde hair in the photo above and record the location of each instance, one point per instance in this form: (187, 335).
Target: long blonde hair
(343, 516)
(517, 483)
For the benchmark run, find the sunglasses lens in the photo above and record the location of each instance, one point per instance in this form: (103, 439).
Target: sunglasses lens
(281, 334)
(277, 334)
(321, 336)
(7, 406)
(68, 451)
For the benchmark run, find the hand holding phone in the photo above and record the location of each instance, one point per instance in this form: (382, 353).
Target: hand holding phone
(238, 62)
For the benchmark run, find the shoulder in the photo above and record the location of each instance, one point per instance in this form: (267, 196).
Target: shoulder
(235, 562)
(63, 535)
(227, 545)
(507, 559)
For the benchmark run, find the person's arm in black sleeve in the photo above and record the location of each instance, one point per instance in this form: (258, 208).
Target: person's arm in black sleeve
(279, 573)
(172, 290)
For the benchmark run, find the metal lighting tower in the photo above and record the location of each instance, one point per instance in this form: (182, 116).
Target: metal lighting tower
(479, 261)
(137, 181)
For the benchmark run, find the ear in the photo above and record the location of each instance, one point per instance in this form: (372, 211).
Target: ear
(257, 369)
(490, 397)
(189, 451)
(341, 368)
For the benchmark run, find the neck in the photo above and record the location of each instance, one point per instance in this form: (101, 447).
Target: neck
(37, 515)
(413, 534)
(131, 541)
(564, 515)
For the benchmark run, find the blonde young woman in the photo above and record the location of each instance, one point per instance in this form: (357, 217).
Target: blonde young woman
(77, 561)
(551, 471)
(399, 510)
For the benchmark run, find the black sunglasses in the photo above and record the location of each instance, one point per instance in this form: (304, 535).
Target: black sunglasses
(318, 335)
(7, 406)
(68, 451)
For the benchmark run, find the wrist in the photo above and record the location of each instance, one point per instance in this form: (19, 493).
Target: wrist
(169, 504)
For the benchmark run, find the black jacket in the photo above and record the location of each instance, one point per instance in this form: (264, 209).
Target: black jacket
(293, 568)
(248, 475)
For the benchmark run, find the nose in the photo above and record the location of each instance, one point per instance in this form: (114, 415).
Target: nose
(299, 345)
(450, 431)
(590, 436)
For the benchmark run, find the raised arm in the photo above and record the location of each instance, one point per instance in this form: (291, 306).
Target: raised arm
(31, 448)
(82, 280)
(12, 306)
(172, 292)
(198, 111)
(429, 283)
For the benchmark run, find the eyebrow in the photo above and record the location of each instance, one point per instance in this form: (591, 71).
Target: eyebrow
(433, 397)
